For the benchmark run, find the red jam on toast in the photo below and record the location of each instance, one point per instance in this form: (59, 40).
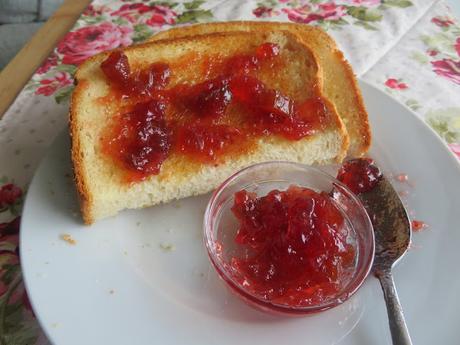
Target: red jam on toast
(205, 122)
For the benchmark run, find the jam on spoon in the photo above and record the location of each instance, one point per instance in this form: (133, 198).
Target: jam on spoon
(360, 175)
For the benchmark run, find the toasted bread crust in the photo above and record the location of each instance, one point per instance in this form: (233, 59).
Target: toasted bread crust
(361, 134)
(338, 123)
(84, 194)
(364, 130)
(359, 131)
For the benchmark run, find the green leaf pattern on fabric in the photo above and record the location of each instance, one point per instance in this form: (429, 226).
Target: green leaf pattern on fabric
(365, 14)
(63, 94)
(194, 16)
(141, 32)
(331, 15)
(397, 3)
(446, 122)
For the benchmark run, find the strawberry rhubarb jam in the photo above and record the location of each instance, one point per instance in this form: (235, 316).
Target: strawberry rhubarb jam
(299, 249)
(207, 121)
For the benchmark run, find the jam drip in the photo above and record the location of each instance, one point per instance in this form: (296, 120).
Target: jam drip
(298, 244)
(194, 120)
(418, 225)
(360, 175)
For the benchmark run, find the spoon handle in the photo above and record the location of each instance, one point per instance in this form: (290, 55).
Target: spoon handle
(399, 332)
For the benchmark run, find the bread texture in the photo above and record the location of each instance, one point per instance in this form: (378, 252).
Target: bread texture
(339, 83)
(99, 181)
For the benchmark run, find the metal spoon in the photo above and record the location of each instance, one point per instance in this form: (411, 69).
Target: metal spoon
(392, 230)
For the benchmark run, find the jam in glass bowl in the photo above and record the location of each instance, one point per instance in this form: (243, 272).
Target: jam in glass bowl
(288, 238)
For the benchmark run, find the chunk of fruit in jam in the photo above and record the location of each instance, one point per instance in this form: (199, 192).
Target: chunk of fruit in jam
(299, 246)
(117, 69)
(244, 64)
(206, 142)
(267, 51)
(155, 77)
(141, 139)
(241, 64)
(271, 112)
(360, 175)
(207, 99)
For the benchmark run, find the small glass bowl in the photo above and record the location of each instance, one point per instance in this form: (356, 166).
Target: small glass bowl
(220, 226)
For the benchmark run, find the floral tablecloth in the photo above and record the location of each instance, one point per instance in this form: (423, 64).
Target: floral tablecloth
(408, 48)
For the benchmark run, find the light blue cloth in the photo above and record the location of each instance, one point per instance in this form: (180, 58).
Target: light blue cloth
(26, 11)
(19, 20)
(13, 37)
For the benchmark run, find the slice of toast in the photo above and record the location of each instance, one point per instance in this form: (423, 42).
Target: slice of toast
(100, 184)
(339, 82)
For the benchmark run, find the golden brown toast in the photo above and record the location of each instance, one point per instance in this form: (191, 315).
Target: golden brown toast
(339, 83)
(102, 189)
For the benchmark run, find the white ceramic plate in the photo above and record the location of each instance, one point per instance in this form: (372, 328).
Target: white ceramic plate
(143, 277)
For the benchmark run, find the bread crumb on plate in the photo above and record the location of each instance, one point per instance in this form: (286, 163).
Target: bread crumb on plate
(68, 239)
(167, 247)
